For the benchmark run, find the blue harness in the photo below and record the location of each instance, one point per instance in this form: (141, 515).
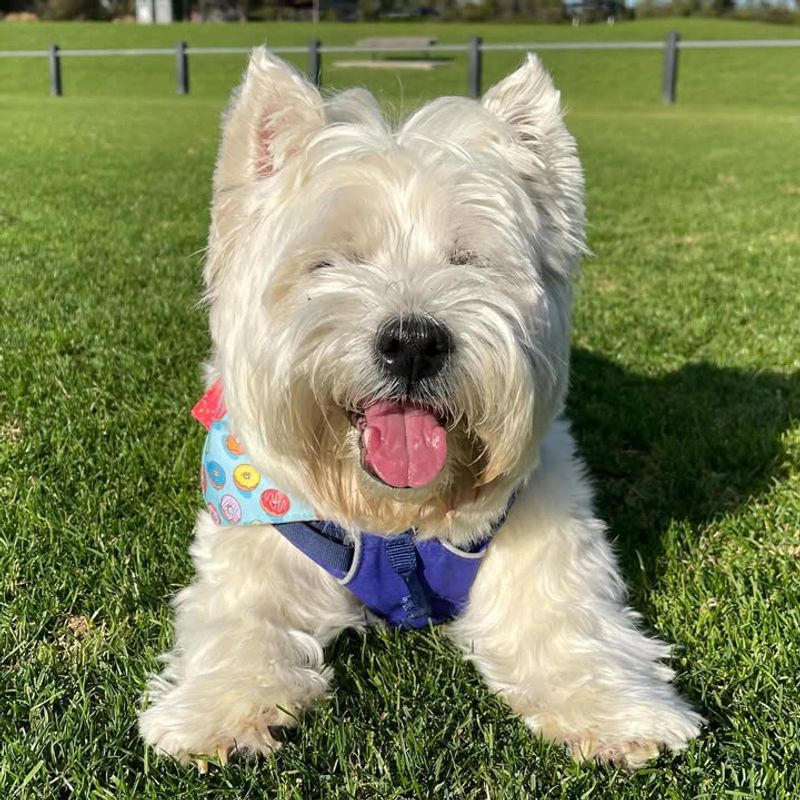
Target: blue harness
(406, 582)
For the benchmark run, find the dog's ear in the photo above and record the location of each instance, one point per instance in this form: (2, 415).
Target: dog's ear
(528, 101)
(541, 147)
(272, 113)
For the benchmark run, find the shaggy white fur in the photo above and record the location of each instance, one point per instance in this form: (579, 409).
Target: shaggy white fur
(326, 222)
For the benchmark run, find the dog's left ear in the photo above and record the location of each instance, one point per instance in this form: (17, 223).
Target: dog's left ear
(270, 116)
(542, 149)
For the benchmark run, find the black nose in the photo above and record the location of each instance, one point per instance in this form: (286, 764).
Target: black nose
(413, 348)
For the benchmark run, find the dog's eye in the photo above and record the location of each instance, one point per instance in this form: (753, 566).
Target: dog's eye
(321, 265)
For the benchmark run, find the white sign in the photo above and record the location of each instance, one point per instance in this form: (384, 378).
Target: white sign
(150, 11)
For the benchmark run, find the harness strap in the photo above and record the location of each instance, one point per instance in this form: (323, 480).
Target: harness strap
(403, 558)
(320, 544)
(501, 520)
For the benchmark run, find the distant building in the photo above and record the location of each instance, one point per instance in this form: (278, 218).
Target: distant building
(150, 11)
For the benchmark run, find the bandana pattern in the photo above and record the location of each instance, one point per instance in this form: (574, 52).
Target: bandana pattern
(236, 492)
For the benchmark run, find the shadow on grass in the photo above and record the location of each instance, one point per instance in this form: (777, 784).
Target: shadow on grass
(687, 446)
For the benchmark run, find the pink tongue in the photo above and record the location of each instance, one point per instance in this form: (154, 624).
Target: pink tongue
(404, 445)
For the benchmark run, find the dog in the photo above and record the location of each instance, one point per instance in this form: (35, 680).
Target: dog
(390, 317)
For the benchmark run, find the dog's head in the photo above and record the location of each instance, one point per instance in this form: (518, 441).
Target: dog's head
(390, 306)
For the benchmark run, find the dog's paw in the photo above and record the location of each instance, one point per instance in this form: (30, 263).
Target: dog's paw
(641, 741)
(630, 754)
(201, 738)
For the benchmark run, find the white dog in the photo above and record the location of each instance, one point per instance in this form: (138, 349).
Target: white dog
(390, 313)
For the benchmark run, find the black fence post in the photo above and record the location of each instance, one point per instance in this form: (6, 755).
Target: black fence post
(315, 63)
(669, 84)
(55, 70)
(475, 67)
(182, 67)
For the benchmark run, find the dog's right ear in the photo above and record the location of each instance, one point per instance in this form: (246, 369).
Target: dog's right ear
(270, 116)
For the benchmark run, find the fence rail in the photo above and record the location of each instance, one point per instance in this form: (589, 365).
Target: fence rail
(671, 47)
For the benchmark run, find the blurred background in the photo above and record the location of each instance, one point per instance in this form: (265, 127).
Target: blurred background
(552, 11)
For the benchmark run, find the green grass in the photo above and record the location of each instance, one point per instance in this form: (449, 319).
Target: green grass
(686, 401)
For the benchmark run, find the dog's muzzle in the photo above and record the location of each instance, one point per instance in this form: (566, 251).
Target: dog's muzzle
(403, 440)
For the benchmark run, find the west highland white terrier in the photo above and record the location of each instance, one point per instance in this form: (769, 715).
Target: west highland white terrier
(390, 315)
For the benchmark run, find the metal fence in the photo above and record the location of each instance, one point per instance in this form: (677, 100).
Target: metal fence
(475, 49)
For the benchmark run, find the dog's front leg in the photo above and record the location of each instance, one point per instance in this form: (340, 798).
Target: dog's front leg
(249, 634)
(547, 627)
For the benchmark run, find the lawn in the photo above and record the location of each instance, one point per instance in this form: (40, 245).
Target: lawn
(685, 398)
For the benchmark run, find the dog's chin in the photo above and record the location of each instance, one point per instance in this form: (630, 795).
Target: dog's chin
(373, 487)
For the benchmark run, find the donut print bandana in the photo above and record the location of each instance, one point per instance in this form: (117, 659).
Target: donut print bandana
(236, 492)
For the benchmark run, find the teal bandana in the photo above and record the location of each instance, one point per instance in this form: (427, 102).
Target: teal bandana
(236, 493)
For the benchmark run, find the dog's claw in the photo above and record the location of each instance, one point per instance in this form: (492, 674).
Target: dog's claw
(202, 766)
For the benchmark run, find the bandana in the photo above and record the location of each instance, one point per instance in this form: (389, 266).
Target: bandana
(235, 491)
